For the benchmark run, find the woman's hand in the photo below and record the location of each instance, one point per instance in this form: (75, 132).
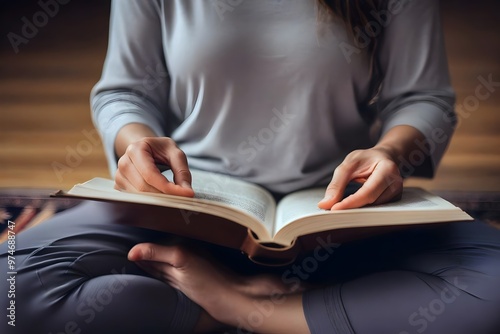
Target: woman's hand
(137, 169)
(376, 169)
(229, 298)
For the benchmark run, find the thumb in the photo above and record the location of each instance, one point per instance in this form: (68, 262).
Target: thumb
(142, 252)
(172, 255)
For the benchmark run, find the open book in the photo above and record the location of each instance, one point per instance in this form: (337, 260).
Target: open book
(245, 216)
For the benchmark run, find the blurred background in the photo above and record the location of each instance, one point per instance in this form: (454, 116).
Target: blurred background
(47, 139)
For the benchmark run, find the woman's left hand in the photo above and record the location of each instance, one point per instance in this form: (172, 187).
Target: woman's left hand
(376, 169)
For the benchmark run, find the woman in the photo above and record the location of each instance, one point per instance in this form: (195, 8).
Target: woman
(282, 93)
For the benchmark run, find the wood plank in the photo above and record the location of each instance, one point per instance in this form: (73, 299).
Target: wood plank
(55, 116)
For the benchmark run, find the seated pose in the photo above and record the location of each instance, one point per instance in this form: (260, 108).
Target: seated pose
(287, 94)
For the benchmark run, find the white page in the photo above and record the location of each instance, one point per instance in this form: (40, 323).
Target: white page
(297, 205)
(305, 203)
(235, 193)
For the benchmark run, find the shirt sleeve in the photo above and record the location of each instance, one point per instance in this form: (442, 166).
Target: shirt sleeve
(135, 83)
(416, 89)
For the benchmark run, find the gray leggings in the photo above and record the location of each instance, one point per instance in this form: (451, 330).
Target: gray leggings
(73, 277)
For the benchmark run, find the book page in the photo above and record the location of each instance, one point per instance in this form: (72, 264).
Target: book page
(296, 205)
(305, 203)
(241, 202)
(238, 194)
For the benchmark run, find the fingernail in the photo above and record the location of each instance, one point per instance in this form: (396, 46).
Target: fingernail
(186, 184)
(133, 256)
(137, 253)
(326, 198)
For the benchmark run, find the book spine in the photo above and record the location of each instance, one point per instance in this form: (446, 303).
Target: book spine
(269, 254)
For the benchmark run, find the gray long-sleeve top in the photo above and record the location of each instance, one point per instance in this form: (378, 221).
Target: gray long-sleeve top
(260, 90)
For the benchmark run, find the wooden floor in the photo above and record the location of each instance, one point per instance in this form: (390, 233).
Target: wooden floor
(45, 127)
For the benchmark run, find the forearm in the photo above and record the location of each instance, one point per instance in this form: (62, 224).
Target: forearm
(129, 134)
(275, 314)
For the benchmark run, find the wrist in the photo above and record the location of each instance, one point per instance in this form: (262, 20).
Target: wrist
(399, 142)
(391, 151)
(129, 134)
(229, 307)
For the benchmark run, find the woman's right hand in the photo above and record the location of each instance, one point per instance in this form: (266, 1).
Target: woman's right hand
(137, 169)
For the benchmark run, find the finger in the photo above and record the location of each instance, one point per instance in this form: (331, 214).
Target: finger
(389, 195)
(161, 271)
(373, 189)
(128, 177)
(150, 268)
(143, 160)
(155, 269)
(174, 157)
(361, 198)
(121, 182)
(335, 190)
(171, 255)
(179, 166)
